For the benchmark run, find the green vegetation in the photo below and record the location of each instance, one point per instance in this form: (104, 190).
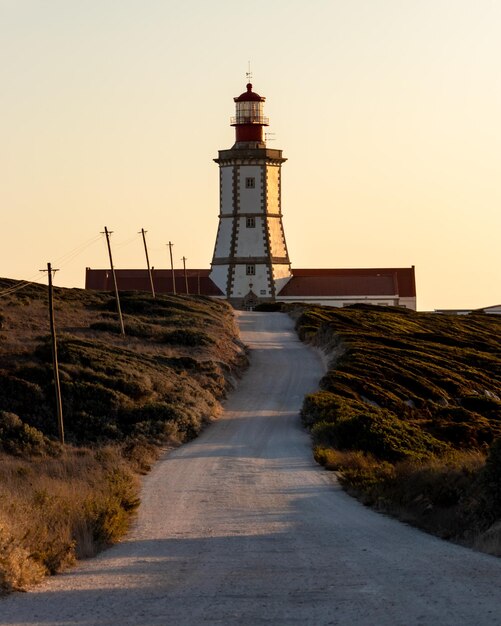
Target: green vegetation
(409, 414)
(124, 399)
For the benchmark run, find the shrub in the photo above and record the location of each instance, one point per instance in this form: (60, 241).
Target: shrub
(187, 337)
(134, 327)
(20, 396)
(380, 433)
(491, 480)
(329, 407)
(22, 440)
(490, 407)
(18, 568)
(463, 428)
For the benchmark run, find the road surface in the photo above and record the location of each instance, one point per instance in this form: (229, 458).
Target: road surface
(240, 527)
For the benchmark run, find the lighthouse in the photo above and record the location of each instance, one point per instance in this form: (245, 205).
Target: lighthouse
(250, 262)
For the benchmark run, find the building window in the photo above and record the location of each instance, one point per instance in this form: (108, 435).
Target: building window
(250, 182)
(250, 222)
(263, 292)
(250, 270)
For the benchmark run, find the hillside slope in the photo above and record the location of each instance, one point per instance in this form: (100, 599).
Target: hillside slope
(408, 413)
(123, 399)
(240, 527)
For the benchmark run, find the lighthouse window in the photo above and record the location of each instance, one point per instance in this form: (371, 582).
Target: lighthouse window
(250, 182)
(250, 270)
(250, 222)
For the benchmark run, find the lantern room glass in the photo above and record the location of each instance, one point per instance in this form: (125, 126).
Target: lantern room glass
(249, 112)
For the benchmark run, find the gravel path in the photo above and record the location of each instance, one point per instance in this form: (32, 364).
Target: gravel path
(241, 528)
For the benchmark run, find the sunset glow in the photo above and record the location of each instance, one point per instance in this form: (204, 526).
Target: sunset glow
(387, 111)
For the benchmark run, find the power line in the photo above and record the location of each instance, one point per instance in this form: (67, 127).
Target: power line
(127, 242)
(72, 254)
(18, 287)
(63, 261)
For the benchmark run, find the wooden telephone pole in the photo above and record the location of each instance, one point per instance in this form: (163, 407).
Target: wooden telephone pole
(143, 232)
(172, 269)
(55, 365)
(185, 275)
(108, 233)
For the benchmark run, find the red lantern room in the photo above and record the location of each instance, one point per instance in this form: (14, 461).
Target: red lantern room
(249, 119)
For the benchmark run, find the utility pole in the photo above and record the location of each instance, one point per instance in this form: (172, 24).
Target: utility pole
(119, 310)
(185, 275)
(143, 232)
(55, 365)
(172, 268)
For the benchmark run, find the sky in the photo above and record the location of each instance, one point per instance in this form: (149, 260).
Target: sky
(388, 112)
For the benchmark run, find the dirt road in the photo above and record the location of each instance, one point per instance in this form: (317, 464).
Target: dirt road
(240, 527)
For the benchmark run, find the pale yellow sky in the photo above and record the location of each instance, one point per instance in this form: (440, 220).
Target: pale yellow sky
(111, 112)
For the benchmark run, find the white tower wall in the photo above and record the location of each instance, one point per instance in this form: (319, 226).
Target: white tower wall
(226, 193)
(278, 247)
(273, 189)
(250, 197)
(224, 237)
(250, 240)
(219, 276)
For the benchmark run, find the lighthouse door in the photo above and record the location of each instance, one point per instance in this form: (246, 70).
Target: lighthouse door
(250, 301)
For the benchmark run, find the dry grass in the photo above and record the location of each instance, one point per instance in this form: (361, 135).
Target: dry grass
(55, 510)
(442, 495)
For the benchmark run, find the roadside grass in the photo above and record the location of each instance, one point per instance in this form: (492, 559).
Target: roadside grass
(124, 401)
(55, 510)
(409, 415)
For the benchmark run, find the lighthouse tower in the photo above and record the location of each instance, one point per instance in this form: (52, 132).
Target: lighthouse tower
(250, 262)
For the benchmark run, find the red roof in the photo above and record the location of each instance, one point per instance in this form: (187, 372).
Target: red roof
(249, 96)
(138, 280)
(351, 282)
(304, 282)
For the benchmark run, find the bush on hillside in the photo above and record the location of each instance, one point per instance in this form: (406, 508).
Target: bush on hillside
(406, 412)
(187, 337)
(491, 480)
(378, 432)
(324, 406)
(19, 439)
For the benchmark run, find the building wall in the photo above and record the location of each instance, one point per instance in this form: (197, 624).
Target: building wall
(226, 190)
(250, 199)
(409, 303)
(281, 276)
(223, 240)
(273, 189)
(250, 241)
(219, 276)
(277, 239)
(242, 282)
